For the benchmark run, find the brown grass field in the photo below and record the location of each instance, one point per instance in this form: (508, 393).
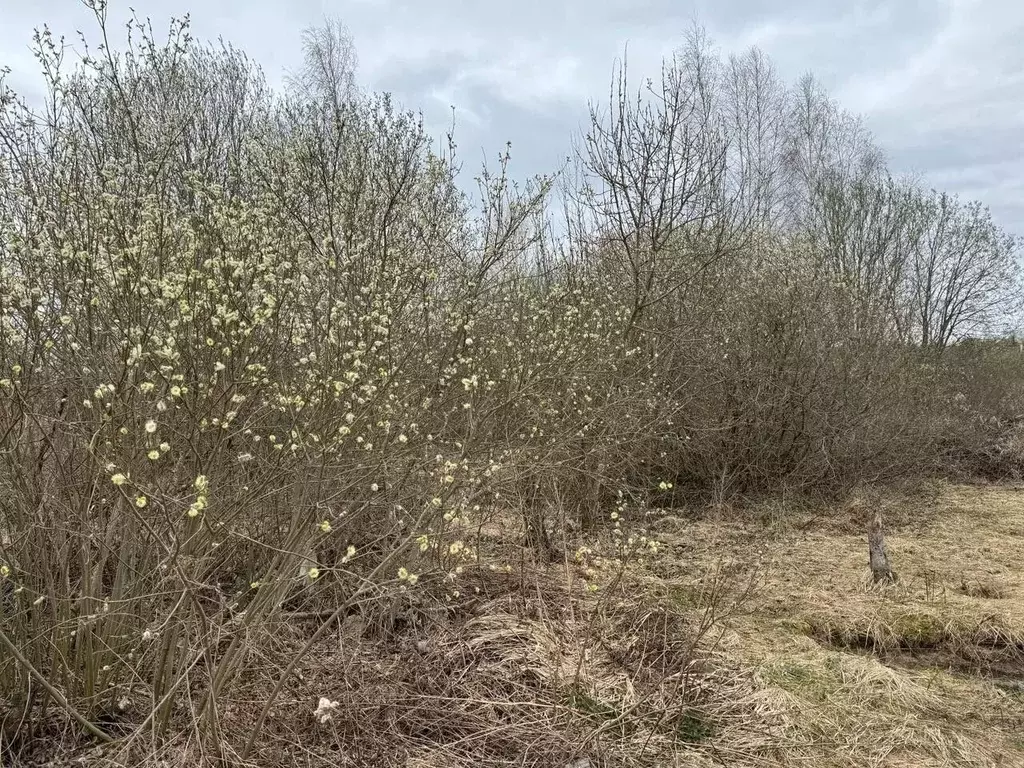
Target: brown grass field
(928, 672)
(752, 638)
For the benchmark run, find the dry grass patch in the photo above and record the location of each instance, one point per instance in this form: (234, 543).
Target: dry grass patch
(743, 643)
(527, 668)
(922, 673)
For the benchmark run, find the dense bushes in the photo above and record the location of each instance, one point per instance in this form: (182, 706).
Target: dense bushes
(982, 382)
(259, 349)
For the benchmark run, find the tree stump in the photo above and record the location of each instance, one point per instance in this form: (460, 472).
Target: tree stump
(881, 568)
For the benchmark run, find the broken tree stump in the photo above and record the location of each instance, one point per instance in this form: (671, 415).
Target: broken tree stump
(881, 568)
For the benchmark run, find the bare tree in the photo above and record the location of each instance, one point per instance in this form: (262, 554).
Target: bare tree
(754, 101)
(964, 272)
(656, 166)
(822, 141)
(330, 61)
(865, 230)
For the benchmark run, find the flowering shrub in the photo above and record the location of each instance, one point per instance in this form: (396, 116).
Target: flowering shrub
(259, 350)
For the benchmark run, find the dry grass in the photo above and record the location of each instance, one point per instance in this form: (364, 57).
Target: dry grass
(746, 642)
(926, 672)
(533, 671)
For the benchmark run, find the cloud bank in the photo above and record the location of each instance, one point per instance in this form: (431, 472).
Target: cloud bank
(941, 84)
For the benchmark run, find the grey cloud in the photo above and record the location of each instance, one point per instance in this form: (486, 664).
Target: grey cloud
(938, 81)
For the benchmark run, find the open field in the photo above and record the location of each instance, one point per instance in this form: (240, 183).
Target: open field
(927, 672)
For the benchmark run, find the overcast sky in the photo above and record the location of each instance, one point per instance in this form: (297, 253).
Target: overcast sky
(941, 83)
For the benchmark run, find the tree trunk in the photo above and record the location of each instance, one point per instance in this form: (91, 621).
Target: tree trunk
(881, 569)
(535, 521)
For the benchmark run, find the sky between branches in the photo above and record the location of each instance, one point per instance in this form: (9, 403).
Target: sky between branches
(940, 82)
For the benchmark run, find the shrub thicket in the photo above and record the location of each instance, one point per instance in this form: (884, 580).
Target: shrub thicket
(259, 349)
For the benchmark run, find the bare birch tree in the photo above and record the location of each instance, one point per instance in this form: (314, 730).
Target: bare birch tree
(964, 272)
